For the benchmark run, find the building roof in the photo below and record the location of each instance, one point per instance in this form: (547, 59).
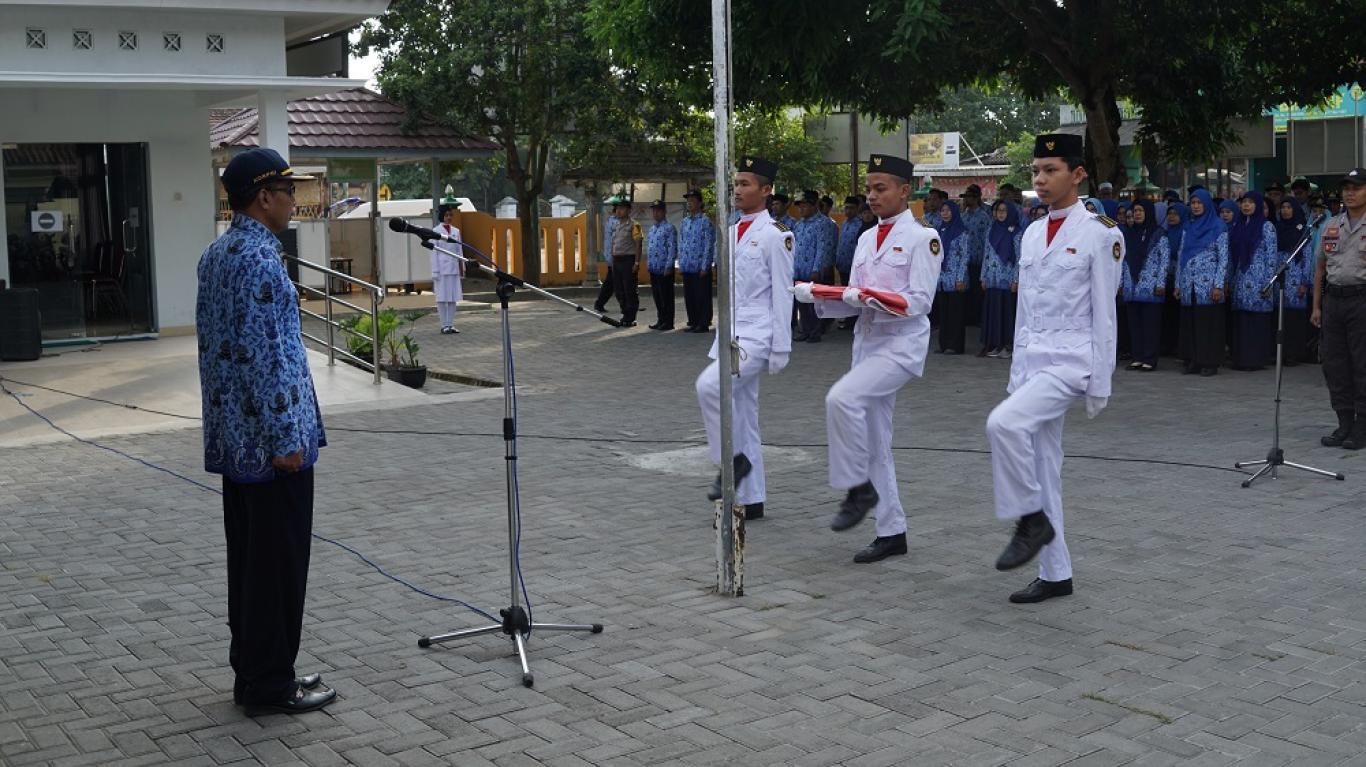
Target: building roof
(354, 122)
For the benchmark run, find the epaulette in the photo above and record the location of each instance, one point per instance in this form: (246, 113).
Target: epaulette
(782, 227)
(1104, 219)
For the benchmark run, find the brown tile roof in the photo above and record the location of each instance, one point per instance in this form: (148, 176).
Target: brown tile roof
(355, 119)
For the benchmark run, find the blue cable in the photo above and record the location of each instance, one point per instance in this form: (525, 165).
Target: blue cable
(216, 491)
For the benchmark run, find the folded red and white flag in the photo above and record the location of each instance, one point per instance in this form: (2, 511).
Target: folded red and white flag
(882, 300)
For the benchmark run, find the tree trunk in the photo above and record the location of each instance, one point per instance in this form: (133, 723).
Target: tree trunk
(528, 210)
(1105, 159)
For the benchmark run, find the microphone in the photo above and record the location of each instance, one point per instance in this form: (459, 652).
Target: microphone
(403, 227)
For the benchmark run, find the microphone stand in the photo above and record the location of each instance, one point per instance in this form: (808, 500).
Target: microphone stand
(517, 623)
(1275, 457)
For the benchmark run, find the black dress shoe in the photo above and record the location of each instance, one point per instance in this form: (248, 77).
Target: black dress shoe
(301, 701)
(813, 339)
(799, 338)
(653, 327)
(628, 323)
(1040, 590)
(1032, 532)
(881, 548)
(701, 329)
(855, 506)
(1344, 429)
(1357, 439)
(1207, 372)
(754, 510)
(665, 327)
(742, 468)
(308, 682)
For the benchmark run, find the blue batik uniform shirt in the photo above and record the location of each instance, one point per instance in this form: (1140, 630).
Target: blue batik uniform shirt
(661, 248)
(257, 392)
(696, 244)
(844, 251)
(977, 221)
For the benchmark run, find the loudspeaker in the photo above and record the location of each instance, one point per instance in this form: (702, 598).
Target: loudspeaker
(21, 335)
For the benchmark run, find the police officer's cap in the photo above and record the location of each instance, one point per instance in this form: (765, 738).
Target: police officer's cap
(896, 166)
(852, 200)
(811, 196)
(759, 166)
(255, 168)
(1057, 145)
(780, 197)
(617, 200)
(692, 193)
(1275, 186)
(658, 205)
(1355, 177)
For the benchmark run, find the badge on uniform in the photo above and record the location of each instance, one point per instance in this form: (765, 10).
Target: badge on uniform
(1117, 251)
(1073, 251)
(896, 248)
(787, 243)
(934, 247)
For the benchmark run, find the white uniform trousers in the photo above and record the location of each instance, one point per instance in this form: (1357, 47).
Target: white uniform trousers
(744, 392)
(446, 310)
(858, 420)
(1025, 432)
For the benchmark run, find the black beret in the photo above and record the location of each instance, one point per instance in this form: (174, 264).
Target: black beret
(896, 166)
(1057, 145)
(751, 164)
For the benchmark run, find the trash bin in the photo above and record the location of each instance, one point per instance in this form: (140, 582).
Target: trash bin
(21, 333)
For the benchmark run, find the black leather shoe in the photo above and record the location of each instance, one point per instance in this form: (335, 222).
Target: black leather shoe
(653, 327)
(881, 548)
(1032, 532)
(742, 468)
(700, 329)
(754, 510)
(301, 701)
(855, 506)
(1040, 590)
(813, 339)
(798, 338)
(665, 327)
(310, 681)
(1344, 429)
(1357, 439)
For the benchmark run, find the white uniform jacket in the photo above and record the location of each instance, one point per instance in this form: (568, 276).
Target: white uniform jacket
(907, 264)
(761, 275)
(446, 270)
(1065, 321)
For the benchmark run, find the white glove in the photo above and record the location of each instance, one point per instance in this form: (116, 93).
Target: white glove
(853, 297)
(1094, 405)
(802, 292)
(776, 362)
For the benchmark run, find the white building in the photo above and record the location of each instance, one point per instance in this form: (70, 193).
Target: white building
(106, 181)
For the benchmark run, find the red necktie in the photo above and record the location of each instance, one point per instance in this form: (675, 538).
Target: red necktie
(740, 234)
(1054, 224)
(882, 230)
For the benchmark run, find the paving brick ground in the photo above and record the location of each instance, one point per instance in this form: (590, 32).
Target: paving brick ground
(1211, 625)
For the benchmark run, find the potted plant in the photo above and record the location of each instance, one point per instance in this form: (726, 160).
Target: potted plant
(403, 365)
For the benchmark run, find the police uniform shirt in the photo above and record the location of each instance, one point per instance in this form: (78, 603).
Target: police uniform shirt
(1343, 248)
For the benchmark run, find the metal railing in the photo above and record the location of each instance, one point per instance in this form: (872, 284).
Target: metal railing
(329, 343)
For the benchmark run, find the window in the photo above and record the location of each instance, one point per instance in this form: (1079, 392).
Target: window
(82, 39)
(36, 38)
(128, 41)
(215, 43)
(170, 41)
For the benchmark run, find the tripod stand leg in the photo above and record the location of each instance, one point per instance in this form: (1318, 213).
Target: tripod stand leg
(1248, 464)
(595, 628)
(1260, 473)
(1311, 469)
(439, 638)
(527, 679)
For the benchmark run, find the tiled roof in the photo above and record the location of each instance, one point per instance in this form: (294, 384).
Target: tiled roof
(355, 119)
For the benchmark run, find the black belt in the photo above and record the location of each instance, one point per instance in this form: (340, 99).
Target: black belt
(1346, 291)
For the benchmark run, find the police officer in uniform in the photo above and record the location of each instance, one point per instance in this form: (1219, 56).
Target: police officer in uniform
(1064, 351)
(762, 303)
(1340, 312)
(626, 251)
(901, 257)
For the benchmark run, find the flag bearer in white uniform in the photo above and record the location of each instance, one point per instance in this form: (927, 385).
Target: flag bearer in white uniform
(762, 304)
(899, 257)
(447, 271)
(1064, 351)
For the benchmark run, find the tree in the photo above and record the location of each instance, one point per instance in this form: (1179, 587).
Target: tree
(517, 71)
(989, 117)
(771, 134)
(1188, 68)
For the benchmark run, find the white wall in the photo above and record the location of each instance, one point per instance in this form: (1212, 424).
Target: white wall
(253, 45)
(180, 189)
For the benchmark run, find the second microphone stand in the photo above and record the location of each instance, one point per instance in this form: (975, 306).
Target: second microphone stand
(517, 623)
(1275, 457)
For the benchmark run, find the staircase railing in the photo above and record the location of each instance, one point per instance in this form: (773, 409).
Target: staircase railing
(326, 293)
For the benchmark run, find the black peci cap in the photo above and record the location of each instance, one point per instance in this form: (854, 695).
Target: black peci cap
(1355, 177)
(896, 166)
(692, 193)
(973, 190)
(255, 167)
(811, 196)
(1275, 186)
(852, 200)
(1057, 145)
(758, 165)
(780, 197)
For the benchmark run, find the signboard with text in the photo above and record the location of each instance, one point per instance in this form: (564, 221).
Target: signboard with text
(1349, 101)
(934, 151)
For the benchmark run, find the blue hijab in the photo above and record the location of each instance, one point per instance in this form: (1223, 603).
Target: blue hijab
(952, 230)
(1233, 206)
(1002, 233)
(1202, 230)
(1245, 236)
(1094, 202)
(1111, 208)
(1174, 230)
(1289, 231)
(1139, 238)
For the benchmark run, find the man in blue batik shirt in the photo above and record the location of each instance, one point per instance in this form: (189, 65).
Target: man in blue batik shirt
(661, 251)
(262, 431)
(815, 252)
(977, 221)
(696, 254)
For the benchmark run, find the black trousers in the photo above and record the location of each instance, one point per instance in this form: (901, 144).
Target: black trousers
(807, 322)
(625, 284)
(1145, 330)
(972, 307)
(1297, 335)
(1202, 335)
(1122, 336)
(697, 299)
(1171, 324)
(662, 289)
(604, 292)
(1253, 339)
(1343, 350)
(952, 330)
(268, 526)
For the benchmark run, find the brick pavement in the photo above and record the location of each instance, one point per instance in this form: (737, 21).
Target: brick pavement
(1212, 625)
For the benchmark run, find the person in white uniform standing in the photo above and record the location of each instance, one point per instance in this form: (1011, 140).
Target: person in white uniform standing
(901, 259)
(762, 307)
(1064, 351)
(447, 271)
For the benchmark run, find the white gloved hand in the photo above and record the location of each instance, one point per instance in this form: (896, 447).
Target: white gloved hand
(1094, 405)
(802, 292)
(776, 362)
(853, 297)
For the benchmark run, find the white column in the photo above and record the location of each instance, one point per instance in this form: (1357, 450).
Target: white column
(273, 114)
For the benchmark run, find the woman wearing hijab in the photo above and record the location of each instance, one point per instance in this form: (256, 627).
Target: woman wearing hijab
(1252, 245)
(1143, 283)
(950, 300)
(1095, 205)
(1110, 208)
(1176, 216)
(1000, 280)
(1291, 229)
(1201, 274)
(1228, 213)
